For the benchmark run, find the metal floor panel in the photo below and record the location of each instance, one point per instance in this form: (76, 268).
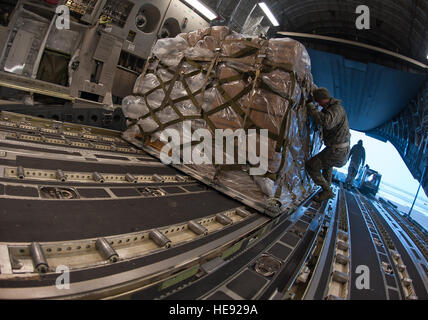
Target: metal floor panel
(45, 150)
(247, 284)
(27, 220)
(363, 254)
(229, 277)
(66, 165)
(212, 280)
(326, 271)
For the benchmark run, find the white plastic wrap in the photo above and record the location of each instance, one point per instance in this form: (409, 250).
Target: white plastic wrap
(209, 96)
(134, 107)
(155, 98)
(274, 104)
(148, 124)
(178, 91)
(131, 132)
(187, 108)
(266, 185)
(267, 110)
(145, 83)
(170, 51)
(196, 82)
(167, 115)
(150, 82)
(164, 74)
(199, 51)
(246, 64)
(188, 68)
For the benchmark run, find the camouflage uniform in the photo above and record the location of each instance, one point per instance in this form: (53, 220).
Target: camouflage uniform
(358, 156)
(336, 137)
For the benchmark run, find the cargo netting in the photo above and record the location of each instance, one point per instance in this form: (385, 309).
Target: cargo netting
(215, 78)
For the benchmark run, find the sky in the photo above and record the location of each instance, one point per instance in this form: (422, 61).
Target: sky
(385, 159)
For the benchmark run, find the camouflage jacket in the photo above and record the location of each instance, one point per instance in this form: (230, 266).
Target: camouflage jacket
(334, 122)
(357, 155)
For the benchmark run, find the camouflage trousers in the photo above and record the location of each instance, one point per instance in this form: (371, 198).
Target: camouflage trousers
(320, 167)
(352, 173)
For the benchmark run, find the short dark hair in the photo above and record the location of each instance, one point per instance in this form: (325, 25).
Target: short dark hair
(321, 94)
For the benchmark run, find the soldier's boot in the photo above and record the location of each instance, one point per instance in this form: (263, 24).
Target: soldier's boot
(326, 194)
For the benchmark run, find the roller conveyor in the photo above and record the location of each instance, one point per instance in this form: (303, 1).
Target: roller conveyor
(149, 231)
(364, 254)
(404, 249)
(260, 271)
(67, 215)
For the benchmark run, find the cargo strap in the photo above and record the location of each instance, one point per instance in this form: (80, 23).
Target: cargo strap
(260, 57)
(339, 146)
(261, 65)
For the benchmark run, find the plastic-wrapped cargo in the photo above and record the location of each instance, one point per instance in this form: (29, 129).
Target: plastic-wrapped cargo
(217, 79)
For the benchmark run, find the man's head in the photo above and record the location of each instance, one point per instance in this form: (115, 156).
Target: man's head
(360, 142)
(322, 96)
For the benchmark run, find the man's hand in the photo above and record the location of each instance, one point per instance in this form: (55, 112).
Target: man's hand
(311, 107)
(314, 113)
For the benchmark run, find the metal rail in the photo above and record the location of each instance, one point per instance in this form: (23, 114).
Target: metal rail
(39, 125)
(63, 141)
(413, 256)
(324, 255)
(379, 240)
(400, 267)
(418, 237)
(355, 44)
(340, 275)
(22, 174)
(272, 264)
(303, 281)
(163, 272)
(78, 254)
